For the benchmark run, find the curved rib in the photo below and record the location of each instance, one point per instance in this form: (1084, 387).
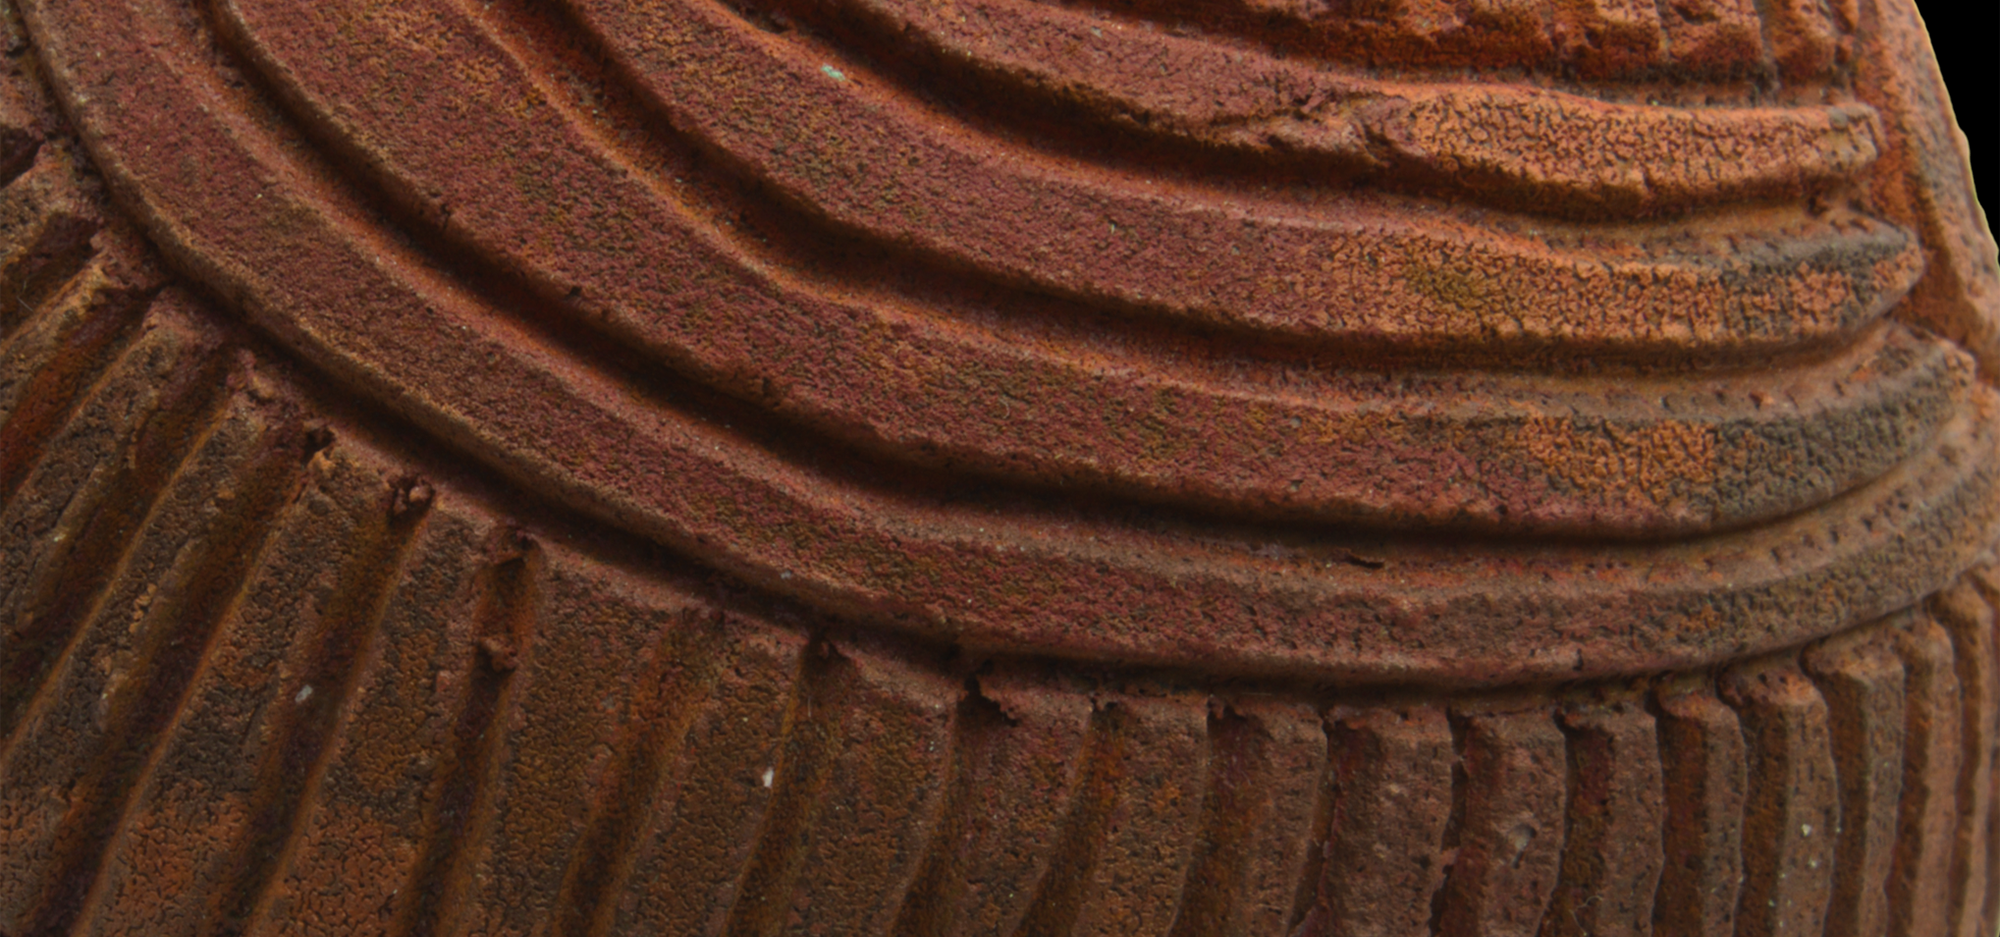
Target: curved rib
(1333, 270)
(1598, 40)
(241, 211)
(1479, 450)
(1544, 151)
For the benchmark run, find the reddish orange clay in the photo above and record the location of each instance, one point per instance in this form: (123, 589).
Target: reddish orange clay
(1027, 468)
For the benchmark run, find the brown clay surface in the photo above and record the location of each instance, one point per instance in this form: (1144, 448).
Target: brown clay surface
(1002, 467)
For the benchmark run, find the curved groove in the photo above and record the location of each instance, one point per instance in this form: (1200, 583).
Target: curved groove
(1025, 757)
(21, 136)
(1603, 40)
(1927, 184)
(712, 806)
(1344, 270)
(894, 754)
(46, 225)
(953, 569)
(1145, 849)
(1060, 893)
(213, 807)
(364, 833)
(1264, 761)
(1513, 769)
(1634, 775)
(1971, 621)
(930, 904)
(1009, 406)
(1703, 781)
(1862, 682)
(828, 536)
(1392, 773)
(1986, 579)
(1485, 141)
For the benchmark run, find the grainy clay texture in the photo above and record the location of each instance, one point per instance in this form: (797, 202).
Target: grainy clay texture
(1208, 468)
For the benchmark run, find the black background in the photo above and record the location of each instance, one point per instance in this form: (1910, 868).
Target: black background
(1966, 34)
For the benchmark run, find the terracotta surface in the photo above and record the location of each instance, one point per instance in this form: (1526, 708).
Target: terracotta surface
(930, 467)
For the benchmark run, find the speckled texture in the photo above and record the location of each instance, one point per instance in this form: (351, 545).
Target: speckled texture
(999, 467)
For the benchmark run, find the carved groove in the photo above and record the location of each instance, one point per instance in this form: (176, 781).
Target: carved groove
(320, 687)
(49, 365)
(929, 909)
(1060, 388)
(1469, 819)
(1059, 896)
(1791, 807)
(798, 780)
(1023, 762)
(171, 649)
(54, 604)
(682, 671)
(1604, 39)
(1971, 621)
(1074, 67)
(1702, 762)
(46, 225)
(1392, 772)
(504, 620)
(1862, 683)
(1920, 886)
(1510, 837)
(1611, 862)
(1194, 490)
(733, 473)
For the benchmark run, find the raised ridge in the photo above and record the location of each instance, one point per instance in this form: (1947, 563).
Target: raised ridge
(665, 661)
(1862, 683)
(1024, 762)
(1612, 858)
(1970, 619)
(1801, 40)
(1069, 419)
(623, 445)
(687, 667)
(1509, 837)
(1313, 268)
(1391, 772)
(50, 360)
(302, 631)
(1920, 887)
(1116, 445)
(1488, 142)
(1925, 183)
(486, 616)
(97, 737)
(1265, 761)
(1791, 813)
(690, 860)
(1703, 786)
(95, 482)
(232, 786)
